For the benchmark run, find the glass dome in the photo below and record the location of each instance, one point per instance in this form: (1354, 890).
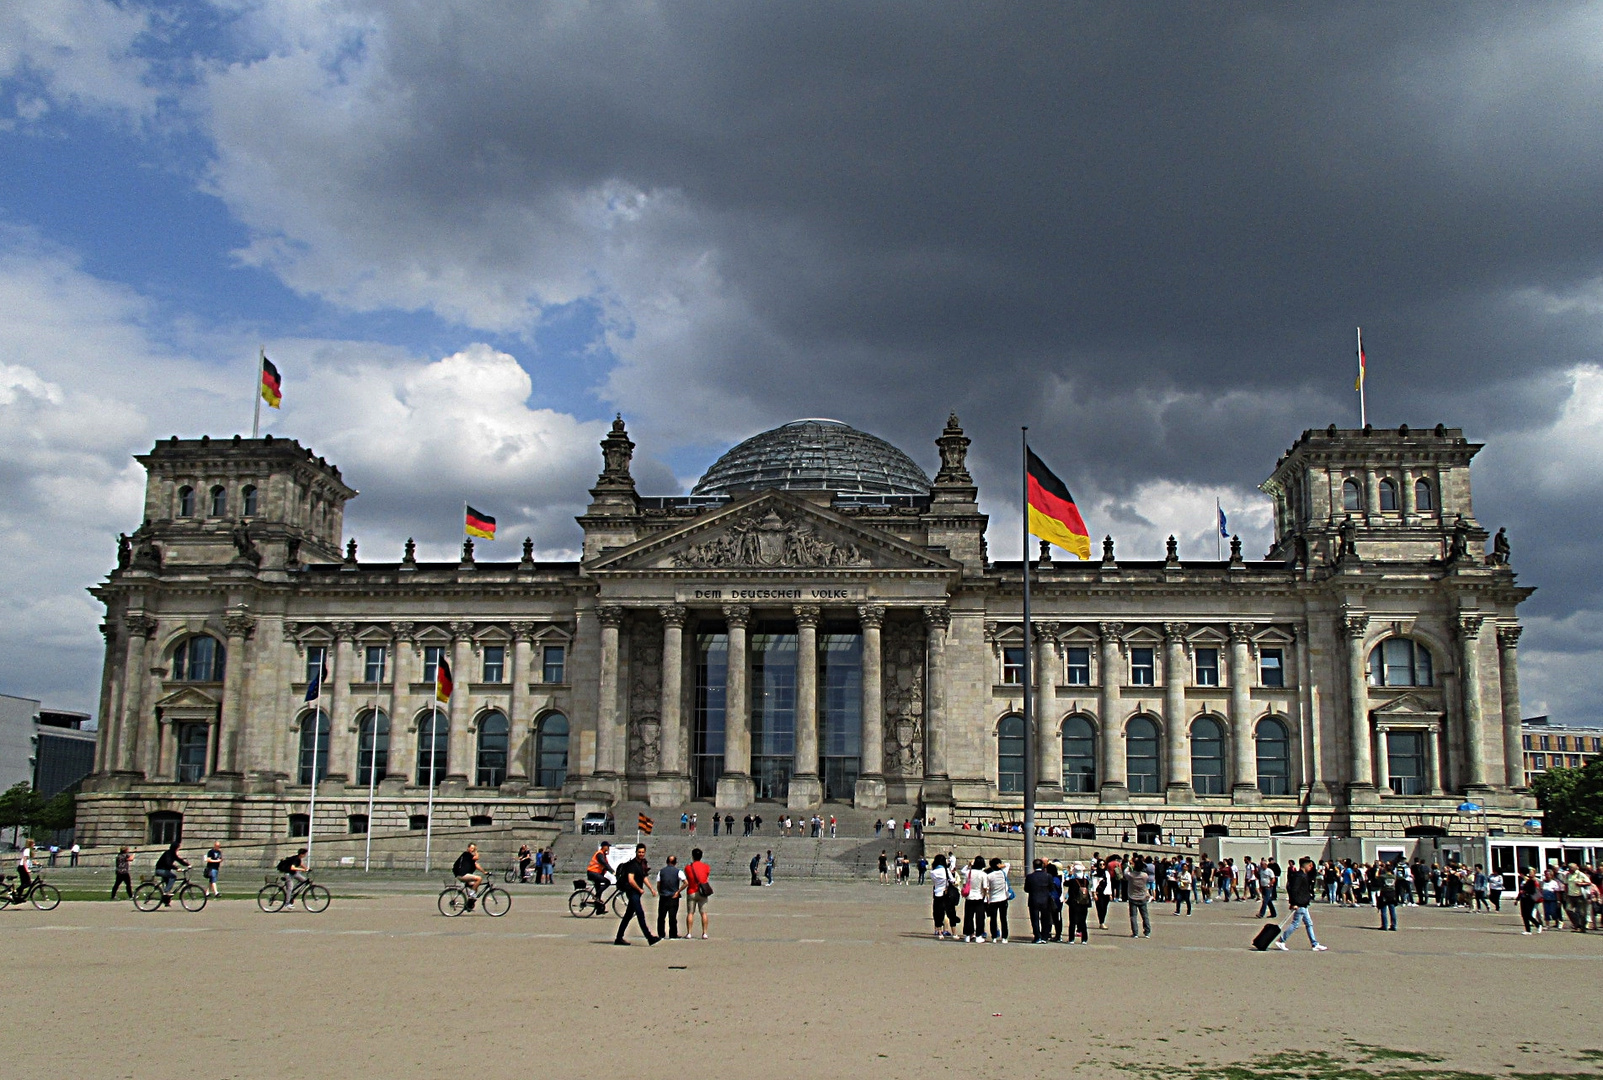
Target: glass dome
(815, 455)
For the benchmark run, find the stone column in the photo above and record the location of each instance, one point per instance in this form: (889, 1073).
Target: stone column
(1176, 725)
(1309, 741)
(1508, 639)
(400, 758)
(1048, 736)
(806, 789)
(110, 715)
(1371, 495)
(870, 793)
(1114, 788)
(1469, 666)
(671, 786)
(1382, 762)
(608, 768)
(735, 787)
(1360, 772)
(1410, 511)
(338, 698)
(136, 733)
(225, 755)
(519, 720)
(460, 766)
(1243, 745)
(937, 783)
(1433, 762)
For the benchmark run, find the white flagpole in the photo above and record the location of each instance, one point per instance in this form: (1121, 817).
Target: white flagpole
(1363, 408)
(434, 734)
(317, 731)
(372, 771)
(256, 417)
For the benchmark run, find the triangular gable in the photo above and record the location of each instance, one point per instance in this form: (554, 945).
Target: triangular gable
(188, 704)
(771, 531)
(1405, 708)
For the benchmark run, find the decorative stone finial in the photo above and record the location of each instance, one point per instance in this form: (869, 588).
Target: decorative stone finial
(953, 445)
(1235, 549)
(350, 552)
(528, 551)
(409, 556)
(616, 452)
(1172, 550)
(1107, 549)
(467, 551)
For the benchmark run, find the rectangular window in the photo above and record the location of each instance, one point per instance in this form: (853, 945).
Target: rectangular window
(1545, 745)
(1012, 666)
(1572, 761)
(1142, 672)
(1527, 742)
(1079, 665)
(1597, 744)
(1538, 761)
(1563, 742)
(316, 660)
(553, 664)
(1271, 668)
(495, 660)
(373, 669)
(431, 661)
(1207, 667)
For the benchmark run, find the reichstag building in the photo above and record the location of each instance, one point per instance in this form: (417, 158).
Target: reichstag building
(816, 622)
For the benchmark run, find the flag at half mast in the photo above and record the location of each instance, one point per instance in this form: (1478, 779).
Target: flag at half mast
(480, 525)
(1053, 515)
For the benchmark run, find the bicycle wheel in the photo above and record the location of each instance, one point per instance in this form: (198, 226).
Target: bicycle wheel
(148, 896)
(452, 903)
(511, 875)
(45, 897)
(619, 902)
(270, 898)
(581, 905)
(315, 898)
(495, 902)
(193, 897)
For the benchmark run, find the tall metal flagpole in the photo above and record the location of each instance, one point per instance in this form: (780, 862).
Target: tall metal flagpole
(1029, 647)
(372, 769)
(434, 737)
(317, 732)
(1363, 408)
(256, 417)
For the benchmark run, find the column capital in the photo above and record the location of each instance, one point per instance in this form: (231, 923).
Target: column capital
(1469, 626)
(737, 614)
(1508, 637)
(342, 630)
(1174, 633)
(461, 630)
(672, 614)
(610, 615)
(239, 625)
(807, 615)
(1354, 627)
(1240, 633)
(1046, 631)
(1299, 633)
(522, 631)
(401, 631)
(1110, 631)
(937, 616)
(872, 615)
(139, 625)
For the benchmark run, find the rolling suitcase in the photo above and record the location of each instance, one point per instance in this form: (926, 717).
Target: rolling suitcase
(1266, 936)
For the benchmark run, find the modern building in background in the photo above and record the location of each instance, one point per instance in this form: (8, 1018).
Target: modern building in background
(817, 621)
(1558, 746)
(49, 749)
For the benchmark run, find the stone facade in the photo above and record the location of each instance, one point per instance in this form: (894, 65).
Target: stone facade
(835, 638)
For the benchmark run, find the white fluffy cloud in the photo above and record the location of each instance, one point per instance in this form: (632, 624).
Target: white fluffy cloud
(74, 53)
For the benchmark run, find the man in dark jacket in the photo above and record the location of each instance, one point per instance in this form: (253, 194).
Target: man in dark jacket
(1300, 894)
(1038, 888)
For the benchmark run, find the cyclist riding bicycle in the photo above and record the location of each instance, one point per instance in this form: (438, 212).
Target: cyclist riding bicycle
(24, 872)
(294, 869)
(164, 870)
(599, 869)
(469, 872)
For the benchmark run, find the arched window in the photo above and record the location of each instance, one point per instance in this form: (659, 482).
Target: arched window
(1388, 494)
(219, 504)
(492, 764)
(1079, 755)
(1140, 754)
(1010, 755)
(186, 501)
(1207, 757)
(1424, 497)
(433, 747)
(247, 501)
(1400, 661)
(1351, 497)
(198, 659)
(551, 751)
(314, 747)
(372, 747)
(1274, 757)
(166, 826)
(192, 746)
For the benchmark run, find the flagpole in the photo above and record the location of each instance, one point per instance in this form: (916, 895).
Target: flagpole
(256, 417)
(434, 735)
(1363, 408)
(1029, 647)
(317, 731)
(372, 773)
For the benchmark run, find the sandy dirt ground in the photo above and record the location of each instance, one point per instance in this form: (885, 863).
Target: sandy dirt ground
(801, 979)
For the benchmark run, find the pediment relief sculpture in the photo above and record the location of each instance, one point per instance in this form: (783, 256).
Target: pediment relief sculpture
(767, 539)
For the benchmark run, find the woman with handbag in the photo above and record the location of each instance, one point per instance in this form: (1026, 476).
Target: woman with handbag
(974, 889)
(941, 884)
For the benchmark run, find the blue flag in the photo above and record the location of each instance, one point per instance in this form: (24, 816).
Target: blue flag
(314, 687)
(1223, 531)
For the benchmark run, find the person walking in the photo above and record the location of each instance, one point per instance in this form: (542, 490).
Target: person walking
(1386, 896)
(998, 892)
(214, 866)
(832, 826)
(1578, 898)
(1530, 895)
(768, 868)
(975, 887)
(729, 824)
(72, 856)
(697, 891)
(1077, 895)
(670, 886)
(923, 868)
(1268, 884)
(1182, 892)
(1102, 893)
(634, 878)
(1300, 894)
(716, 821)
(123, 866)
(1137, 890)
(884, 868)
(693, 824)
(1038, 895)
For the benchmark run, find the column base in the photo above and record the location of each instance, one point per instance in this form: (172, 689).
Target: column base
(1113, 793)
(937, 791)
(736, 791)
(1179, 793)
(331, 785)
(513, 787)
(806, 793)
(870, 793)
(1362, 795)
(1048, 793)
(452, 787)
(1246, 795)
(666, 792)
(231, 782)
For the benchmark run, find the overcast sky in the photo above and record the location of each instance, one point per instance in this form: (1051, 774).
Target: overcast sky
(468, 233)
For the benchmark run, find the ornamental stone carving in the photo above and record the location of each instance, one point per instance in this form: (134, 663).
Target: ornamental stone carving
(1175, 632)
(953, 445)
(737, 614)
(672, 614)
(1508, 637)
(239, 625)
(1469, 626)
(645, 698)
(937, 617)
(401, 630)
(807, 615)
(140, 625)
(768, 540)
(871, 614)
(1355, 626)
(610, 615)
(521, 631)
(903, 681)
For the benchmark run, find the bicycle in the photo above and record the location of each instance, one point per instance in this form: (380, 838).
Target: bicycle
(511, 876)
(583, 903)
(149, 896)
(454, 899)
(274, 896)
(42, 896)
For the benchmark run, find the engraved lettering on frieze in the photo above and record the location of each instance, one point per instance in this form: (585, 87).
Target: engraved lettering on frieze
(769, 540)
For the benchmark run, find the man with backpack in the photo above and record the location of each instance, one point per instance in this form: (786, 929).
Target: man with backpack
(468, 871)
(1386, 895)
(293, 867)
(634, 878)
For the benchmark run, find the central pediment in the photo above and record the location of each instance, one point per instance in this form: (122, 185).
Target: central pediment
(775, 532)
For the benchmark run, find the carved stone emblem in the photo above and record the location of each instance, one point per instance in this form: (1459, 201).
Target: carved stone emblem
(767, 540)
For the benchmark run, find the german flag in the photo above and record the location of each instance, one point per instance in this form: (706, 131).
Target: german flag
(1053, 515)
(480, 525)
(443, 684)
(646, 824)
(272, 387)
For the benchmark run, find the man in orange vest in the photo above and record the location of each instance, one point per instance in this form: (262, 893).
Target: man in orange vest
(598, 869)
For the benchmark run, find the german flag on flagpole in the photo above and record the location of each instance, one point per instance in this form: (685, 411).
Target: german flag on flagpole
(272, 386)
(480, 525)
(1053, 515)
(443, 685)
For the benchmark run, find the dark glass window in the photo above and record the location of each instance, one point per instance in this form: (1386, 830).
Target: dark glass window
(433, 747)
(1149, 833)
(1079, 660)
(492, 763)
(316, 661)
(186, 502)
(551, 752)
(1141, 755)
(1082, 830)
(247, 499)
(373, 747)
(417, 822)
(773, 710)
(1405, 758)
(553, 663)
(300, 825)
(1207, 667)
(495, 660)
(840, 711)
(1271, 667)
(199, 659)
(1010, 755)
(1274, 757)
(1012, 666)
(1079, 755)
(707, 740)
(1399, 662)
(193, 741)
(166, 826)
(219, 506)
(1424, 497)
(374, 664)
(431, 661)
(1352, 498)
(1388, 494)
(1207, 757)
(356, 824)
(1142, 670)
(314, 744)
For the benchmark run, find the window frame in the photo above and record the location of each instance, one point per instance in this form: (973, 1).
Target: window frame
(1383, 663)
(217, 506)
(372, 748)
(1010, 732)
(183, 668)
(490, 761)
(1217, 780)
(436, 725)
(311, 756)
(1279, 667)
(1389, 494)
(1081, 765)
(1201, 670)
(1156, 757)
(1076, 671)
(369, 675)
(1427, 504)
(560, 667)
(431, 660)
(499, 664)
(543, 773)
(192, 741)
(1352, 496)
(1150, 666)
(1012, 665)
(186, 501)
(1270, 779)
(249, 501)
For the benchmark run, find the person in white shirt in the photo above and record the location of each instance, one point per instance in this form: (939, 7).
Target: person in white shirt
(943, 890)
(24, 869)
(997, 889)
(975, 887)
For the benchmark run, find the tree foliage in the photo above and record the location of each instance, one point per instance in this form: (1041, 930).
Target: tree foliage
(1571, 800)
(20, 805)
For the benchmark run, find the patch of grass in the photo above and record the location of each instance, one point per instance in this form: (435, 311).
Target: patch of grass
(1320, 1065)
(1381, 1053)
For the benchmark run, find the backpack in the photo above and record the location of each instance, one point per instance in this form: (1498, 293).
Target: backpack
(463, 864)
(285, 863)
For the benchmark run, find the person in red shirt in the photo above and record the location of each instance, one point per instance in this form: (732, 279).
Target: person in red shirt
(697, 876)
